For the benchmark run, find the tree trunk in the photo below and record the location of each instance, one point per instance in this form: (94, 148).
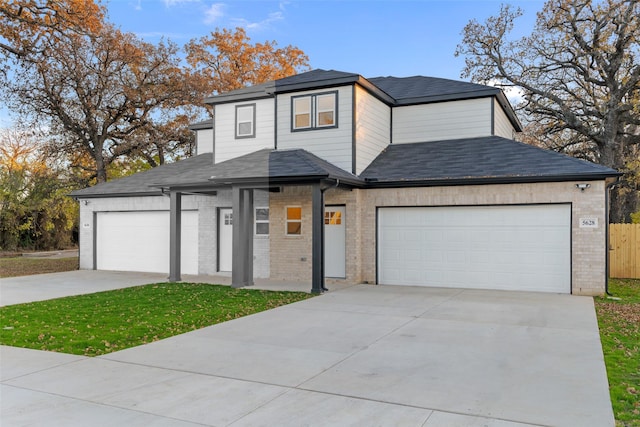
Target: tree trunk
(101, 168)
(624, 196)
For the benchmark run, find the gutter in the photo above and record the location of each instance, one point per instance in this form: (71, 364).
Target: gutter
(607, 201)
(375, 183)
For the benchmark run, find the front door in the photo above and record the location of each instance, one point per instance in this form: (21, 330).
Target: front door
(225, 239)
(334, 241)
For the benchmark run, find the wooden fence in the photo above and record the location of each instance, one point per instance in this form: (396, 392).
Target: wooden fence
(624, 251)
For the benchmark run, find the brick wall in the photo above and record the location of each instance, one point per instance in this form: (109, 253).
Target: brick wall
(283, 257)
(588, 244)
(291, 255)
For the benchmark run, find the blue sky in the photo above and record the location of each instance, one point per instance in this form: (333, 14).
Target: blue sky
(372, 37)
(369, 37)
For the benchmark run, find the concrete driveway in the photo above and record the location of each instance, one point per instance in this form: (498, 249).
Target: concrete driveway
(366, 355)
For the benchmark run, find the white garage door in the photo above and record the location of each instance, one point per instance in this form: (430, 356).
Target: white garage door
(139, 241)
(485, 247)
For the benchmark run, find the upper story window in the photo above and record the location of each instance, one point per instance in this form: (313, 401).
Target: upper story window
(246, 121)
(315, 111)
(302, 112)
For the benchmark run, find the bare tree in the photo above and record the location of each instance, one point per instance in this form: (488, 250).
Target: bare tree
(580, 76)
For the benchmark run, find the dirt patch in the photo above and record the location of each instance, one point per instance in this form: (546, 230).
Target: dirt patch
(628, 313)
(23, 266)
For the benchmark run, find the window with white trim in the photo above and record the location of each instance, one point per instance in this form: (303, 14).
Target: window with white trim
(302, 112)
(294, 220)
(262, 222)
(245, 121)
(315, 111)
(326, 110)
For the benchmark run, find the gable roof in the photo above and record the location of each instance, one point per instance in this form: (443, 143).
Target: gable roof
(475, 161)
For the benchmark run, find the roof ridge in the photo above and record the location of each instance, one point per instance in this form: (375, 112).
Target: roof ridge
(310, 155)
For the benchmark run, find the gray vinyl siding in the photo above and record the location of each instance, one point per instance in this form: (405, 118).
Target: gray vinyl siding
(443, 120)
(332, 144)
(373, 122)
(227, 146)
(204, 141)
(502, 125)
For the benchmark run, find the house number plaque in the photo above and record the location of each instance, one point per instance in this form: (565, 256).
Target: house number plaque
(588, 222)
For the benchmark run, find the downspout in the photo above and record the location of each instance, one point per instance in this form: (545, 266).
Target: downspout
(606, 222)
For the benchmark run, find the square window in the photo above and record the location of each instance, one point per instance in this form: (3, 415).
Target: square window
(244, 128)
(303, 121)
(262, 228)
(333, 218)
(294, 220)
(294, 228)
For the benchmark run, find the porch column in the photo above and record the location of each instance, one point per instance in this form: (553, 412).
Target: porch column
(317, 244)
(242, 249)
(175, 230)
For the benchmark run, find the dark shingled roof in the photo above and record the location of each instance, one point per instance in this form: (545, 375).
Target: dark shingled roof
(138, 184)
(205, 124)
(262, 90)
(476, 160)
(402, 90)
(314, 77)
(408, 90)
(261, 166)
(264, 166)
(451, 162)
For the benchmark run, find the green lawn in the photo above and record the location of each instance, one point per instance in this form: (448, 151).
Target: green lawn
(105, 322)
(620, 335)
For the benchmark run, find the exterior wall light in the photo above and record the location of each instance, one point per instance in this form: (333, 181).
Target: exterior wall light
(583, 186)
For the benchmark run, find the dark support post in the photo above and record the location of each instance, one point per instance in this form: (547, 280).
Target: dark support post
(175, 229)
(317, 252)
(242, 256)
(248, 236)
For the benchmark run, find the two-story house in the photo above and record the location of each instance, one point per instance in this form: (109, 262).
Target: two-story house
(328, 176)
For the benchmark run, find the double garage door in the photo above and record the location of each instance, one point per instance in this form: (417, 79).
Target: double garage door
(139, 241)
(486, 247)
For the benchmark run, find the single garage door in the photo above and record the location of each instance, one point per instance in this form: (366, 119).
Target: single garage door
(486, 247)
(139, 241)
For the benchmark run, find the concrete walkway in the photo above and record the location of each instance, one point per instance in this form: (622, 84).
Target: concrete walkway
(18, 290)
(366, 355)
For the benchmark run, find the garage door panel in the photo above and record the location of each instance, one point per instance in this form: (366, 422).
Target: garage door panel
(494, 247)
(139, 241)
